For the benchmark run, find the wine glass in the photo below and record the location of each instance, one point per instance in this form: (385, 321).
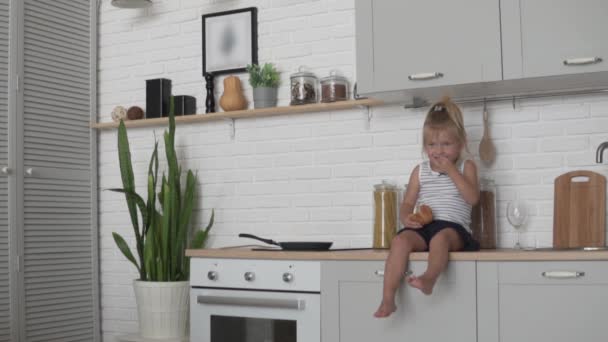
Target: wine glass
(517, 214)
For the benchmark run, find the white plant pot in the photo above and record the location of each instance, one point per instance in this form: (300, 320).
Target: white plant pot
(162, 308)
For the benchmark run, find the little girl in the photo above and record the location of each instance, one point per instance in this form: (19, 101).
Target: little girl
(448, 185)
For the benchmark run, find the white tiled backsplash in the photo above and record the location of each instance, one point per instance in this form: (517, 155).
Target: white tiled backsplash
(305, 176)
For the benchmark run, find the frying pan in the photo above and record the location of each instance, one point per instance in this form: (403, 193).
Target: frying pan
(293, 246)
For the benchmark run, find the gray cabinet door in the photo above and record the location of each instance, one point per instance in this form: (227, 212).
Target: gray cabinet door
(540, 35)
(59, 275)
(6, 271)
(543, 301)
(400, 39)
(351, 293)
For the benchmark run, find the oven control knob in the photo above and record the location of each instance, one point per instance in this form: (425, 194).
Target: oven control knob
(287, 277)
(249, 276)
(212, 275)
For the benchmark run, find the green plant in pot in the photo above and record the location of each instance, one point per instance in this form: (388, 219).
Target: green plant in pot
(265, 82)
(161, 237)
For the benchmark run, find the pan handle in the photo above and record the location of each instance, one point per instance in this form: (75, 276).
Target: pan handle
(268, 241)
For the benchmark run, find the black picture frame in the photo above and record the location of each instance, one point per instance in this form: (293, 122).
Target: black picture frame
(230, 41)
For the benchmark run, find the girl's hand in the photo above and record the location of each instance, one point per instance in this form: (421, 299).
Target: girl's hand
(411, 224)
(443, 165)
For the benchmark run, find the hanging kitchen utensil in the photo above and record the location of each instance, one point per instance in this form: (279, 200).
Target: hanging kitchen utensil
(579, 218)
(487, 151)
(294, 245)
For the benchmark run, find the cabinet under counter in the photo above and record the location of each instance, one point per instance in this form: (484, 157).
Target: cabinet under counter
(542, 301)
(351, 292)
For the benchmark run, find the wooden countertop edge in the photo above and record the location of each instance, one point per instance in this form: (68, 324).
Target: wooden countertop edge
(486, 255)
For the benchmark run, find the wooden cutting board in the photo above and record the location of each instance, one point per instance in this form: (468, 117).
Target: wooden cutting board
(580, 210)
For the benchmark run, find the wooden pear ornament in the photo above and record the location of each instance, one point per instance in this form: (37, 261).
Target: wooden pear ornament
(232, 98)
(487, 151)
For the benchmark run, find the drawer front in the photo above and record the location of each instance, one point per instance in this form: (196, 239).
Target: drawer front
(374, 270)
(553, 272)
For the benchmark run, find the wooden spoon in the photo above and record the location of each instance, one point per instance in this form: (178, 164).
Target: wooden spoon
(487, 151)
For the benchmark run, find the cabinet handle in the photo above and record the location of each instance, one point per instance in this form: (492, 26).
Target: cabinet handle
(6, 170)
(582, 61)
(562, 274)
(29, 171)
(380, 273)
(425, 76)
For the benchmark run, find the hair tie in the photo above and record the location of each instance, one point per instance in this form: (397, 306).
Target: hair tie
(438, 108)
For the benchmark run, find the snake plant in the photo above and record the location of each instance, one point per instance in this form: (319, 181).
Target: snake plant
(164, 232)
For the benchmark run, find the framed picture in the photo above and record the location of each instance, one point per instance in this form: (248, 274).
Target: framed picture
(230, 41)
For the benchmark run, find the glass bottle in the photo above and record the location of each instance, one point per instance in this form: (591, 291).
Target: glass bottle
(483, 215)
(386, 214)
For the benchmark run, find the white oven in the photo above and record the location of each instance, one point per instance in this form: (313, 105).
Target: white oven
(242, 300)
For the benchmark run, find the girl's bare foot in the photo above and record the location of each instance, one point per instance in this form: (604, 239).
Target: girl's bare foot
(385, 309)
(423, 283)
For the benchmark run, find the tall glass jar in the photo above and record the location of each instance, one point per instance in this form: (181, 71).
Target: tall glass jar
(386, 214)
(483, 215)
(304, 87)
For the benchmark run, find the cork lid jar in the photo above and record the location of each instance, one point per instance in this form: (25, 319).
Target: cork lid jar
(483, 215)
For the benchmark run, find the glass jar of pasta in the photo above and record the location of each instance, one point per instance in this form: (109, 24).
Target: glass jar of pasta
(386, 214)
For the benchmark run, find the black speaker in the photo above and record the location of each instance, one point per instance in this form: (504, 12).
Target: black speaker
(184, 104)
(158, 97)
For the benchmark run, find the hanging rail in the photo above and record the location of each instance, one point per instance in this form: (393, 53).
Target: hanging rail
(419, 102)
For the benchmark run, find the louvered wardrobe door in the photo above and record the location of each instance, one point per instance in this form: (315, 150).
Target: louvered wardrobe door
(58, 237)
(5, 307)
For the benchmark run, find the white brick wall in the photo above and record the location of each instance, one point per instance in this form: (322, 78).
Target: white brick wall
(306, 175)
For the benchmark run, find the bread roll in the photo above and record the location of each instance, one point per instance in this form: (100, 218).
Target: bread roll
(423, 216)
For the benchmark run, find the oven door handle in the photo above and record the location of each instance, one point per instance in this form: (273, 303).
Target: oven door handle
(295, 304)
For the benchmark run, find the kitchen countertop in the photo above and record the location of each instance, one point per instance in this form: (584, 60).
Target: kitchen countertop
(246, 252)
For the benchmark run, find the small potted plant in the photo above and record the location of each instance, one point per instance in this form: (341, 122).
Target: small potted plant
(265, 82)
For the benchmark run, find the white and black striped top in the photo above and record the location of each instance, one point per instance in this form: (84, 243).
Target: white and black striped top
(439, 192)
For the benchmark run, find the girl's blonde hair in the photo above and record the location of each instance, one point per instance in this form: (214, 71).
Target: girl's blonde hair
(445, 115)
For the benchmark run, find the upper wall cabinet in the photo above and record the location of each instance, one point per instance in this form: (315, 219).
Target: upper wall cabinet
(410, 44)
(553, 37)
(473, 49)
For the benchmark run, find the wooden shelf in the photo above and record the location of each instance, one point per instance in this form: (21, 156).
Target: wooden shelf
(241, 114)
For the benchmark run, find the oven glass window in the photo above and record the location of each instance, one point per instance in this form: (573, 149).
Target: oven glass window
(245, 329)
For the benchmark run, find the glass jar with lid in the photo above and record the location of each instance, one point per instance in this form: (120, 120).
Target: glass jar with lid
(303, 88)
(386, 214)
(483, 215)
(334, 88)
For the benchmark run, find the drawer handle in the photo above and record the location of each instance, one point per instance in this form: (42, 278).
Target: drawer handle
(380, 273)
(563, 274)
(582, 61)
(425, 76)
